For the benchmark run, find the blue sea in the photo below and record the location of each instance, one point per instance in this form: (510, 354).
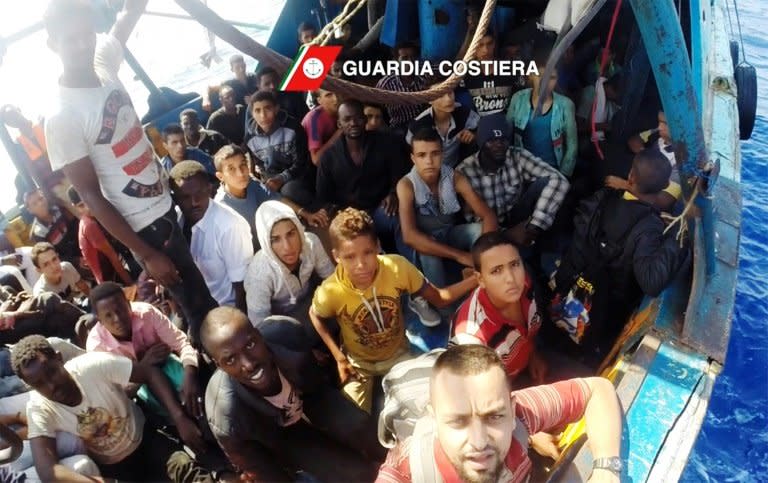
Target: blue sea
(733, 444)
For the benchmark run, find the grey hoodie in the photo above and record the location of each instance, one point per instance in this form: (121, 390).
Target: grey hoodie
(269, 287)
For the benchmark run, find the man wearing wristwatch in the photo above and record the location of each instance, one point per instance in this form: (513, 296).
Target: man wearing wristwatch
(478, 431)
(524, 191)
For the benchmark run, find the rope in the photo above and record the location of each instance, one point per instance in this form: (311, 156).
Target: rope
(741, 37)
(603, 65)
(730, 22)
(682, 218)
(342, 19)
(225, 31)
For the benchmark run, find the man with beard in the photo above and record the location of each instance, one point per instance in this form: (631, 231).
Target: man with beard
(479, 430)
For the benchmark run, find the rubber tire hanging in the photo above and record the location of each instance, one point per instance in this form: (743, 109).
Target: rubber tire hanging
(746, 87)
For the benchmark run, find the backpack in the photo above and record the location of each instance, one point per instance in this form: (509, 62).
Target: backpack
(571, 305)
(406, 395)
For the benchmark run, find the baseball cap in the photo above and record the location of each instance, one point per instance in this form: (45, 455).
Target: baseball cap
(493, 126)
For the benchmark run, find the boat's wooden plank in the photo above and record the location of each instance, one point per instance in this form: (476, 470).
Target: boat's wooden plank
(673, 457)
(707, 323)
(664, 394)
(633, 373)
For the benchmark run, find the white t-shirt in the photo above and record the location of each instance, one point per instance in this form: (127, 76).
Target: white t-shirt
(221, 247)
(110, 424)
(65, 288)
(101, 123)
(288, 401)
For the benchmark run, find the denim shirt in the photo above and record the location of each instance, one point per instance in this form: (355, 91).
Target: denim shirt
(563, 126)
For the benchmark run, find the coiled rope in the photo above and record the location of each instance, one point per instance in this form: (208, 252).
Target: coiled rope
(228, 33)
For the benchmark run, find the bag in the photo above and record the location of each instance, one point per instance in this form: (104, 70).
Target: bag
(406, 395)
(569, 311)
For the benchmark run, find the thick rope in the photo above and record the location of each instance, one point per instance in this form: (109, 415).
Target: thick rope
(342, 19)
(211, 21)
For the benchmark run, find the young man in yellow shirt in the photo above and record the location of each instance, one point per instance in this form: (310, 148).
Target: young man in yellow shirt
(364, 296)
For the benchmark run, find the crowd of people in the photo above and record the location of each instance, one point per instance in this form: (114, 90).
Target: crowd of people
(226, 310)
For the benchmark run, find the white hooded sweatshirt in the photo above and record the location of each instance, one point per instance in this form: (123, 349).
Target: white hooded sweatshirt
(270, 289)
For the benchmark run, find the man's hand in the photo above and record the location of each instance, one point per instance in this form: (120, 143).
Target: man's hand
(521, 235)
(274, 184)
(318, 219)
(190, 434)
(156, 354)
(346, 371)
(466, 136)
(616, 183)
(390, 204)
(537, 368)
(191, 397)
(161, 268)
(545, 444)
(13, 259)
(600, 475)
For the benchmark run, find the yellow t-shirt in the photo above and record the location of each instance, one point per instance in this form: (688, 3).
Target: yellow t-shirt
(371, 321)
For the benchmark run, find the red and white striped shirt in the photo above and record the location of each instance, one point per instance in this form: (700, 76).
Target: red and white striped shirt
(478, 322)
(540, 408)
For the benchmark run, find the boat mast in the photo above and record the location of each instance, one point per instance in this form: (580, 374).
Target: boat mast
(660, 28)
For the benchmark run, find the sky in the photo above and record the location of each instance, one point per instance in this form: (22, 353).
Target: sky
(168, 49)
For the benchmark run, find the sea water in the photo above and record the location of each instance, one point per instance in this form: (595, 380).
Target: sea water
(733, 443)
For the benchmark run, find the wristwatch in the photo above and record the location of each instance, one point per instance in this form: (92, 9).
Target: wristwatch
(614, 464)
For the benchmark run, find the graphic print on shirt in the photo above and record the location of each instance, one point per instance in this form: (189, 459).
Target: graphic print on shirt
(374, 329)
(101, 430)
(118, 109)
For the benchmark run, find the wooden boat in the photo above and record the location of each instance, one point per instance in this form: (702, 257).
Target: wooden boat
(666, 362)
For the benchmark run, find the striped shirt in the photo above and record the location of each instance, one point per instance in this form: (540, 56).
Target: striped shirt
(400, 115)
(478, 322)
(503, 188)
(540, 408)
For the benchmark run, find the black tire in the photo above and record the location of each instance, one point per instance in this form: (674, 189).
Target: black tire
(746, 86)
(734, 54)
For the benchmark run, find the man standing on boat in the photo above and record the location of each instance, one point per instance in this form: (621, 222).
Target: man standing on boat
(95, 136)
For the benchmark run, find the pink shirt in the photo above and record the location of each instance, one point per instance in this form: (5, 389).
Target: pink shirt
(150, 326)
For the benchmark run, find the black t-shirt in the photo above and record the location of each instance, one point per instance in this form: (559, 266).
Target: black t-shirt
(231, 126)
(212, 142)
(242, 90)
(342, 183)
(490, 93)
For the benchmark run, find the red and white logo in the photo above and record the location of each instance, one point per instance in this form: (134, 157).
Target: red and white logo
(310, 68)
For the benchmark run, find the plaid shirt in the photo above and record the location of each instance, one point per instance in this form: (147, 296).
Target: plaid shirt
(502, 189)
(400, 115)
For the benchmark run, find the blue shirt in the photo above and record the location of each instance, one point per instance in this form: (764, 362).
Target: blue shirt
(192, 154)
(537, 138)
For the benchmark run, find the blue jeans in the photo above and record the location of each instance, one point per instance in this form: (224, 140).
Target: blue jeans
(442, 271)
(388, 227)
(191, 293)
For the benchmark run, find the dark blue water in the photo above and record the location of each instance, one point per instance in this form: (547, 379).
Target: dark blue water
(733, 444)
